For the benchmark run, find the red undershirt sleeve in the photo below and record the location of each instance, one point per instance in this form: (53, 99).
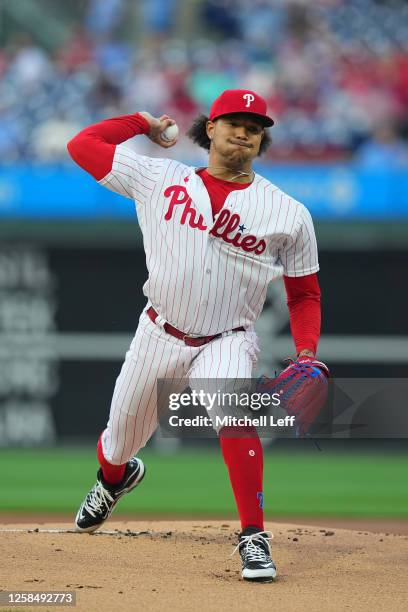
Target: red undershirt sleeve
(94, 147)
(303, 299)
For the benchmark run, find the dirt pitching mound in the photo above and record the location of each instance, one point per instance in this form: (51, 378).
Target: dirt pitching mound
(186, 565)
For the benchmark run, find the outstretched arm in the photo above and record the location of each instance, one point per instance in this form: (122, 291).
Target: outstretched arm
(94, 147)
(303, 299)
(101, 150)
(302, 385)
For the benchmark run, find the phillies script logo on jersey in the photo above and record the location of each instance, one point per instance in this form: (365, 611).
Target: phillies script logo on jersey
(226, 223)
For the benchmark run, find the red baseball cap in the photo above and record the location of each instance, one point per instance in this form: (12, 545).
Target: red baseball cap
(240, 101)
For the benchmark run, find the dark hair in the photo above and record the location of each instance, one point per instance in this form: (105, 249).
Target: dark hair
(198, 134)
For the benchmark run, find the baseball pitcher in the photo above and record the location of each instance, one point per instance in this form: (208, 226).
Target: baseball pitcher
(214, 238)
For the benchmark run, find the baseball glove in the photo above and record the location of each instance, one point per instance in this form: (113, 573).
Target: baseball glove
(303, 390)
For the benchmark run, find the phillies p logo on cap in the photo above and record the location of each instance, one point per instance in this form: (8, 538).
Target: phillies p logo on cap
(240, 101)
(249, 97)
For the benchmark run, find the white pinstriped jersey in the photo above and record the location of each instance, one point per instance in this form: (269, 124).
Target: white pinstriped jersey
(207, 276)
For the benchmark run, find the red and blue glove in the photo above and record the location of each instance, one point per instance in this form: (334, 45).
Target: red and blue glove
(302, 388)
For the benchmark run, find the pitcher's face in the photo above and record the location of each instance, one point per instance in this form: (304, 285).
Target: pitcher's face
(236, 137)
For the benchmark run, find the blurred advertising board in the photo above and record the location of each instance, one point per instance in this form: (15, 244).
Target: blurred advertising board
(329, 191)
(68, 315)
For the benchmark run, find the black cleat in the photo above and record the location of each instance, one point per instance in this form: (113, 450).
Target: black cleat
(255, 552)
(102, 498)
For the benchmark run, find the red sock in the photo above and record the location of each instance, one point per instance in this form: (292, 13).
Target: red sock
(243, 456)
(113, 474)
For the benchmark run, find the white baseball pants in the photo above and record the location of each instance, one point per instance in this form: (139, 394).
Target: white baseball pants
(154, 354)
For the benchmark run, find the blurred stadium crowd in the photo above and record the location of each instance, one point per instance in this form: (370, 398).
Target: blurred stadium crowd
(334, 73)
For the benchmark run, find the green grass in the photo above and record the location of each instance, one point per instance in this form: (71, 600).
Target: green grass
(306, 483)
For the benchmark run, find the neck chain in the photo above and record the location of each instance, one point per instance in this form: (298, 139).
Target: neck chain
(240, 172)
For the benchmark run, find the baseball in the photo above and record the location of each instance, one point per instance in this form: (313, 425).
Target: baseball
(170, 133)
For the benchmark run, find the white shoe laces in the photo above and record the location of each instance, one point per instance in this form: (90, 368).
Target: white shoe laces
(253, 551)
(98, 497)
